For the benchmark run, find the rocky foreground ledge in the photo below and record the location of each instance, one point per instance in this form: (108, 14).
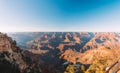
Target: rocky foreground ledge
(15, 60)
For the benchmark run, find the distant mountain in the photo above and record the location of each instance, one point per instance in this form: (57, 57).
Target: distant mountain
(108, 40)
(74, 40)
(41, 42)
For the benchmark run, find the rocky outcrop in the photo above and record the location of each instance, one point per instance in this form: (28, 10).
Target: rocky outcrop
(14, 60)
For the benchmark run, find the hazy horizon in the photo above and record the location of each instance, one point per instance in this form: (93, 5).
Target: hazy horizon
(59, 16)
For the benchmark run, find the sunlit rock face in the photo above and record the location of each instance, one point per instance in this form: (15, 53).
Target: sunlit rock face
(14, 60)
(87, 48)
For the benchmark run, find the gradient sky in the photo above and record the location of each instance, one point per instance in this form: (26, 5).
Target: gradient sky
(60, 15)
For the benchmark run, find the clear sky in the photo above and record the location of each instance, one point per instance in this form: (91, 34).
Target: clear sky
(60, 15)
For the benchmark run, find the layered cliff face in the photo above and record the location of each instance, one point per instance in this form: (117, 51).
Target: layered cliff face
(79, 41)
(55, 48)
(60, 40)
(14, 60)
(107, 40)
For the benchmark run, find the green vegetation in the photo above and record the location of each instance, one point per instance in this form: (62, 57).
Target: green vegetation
(74, 69)
(7, 66)
(82, 69)
(99, 65)
(70, 69)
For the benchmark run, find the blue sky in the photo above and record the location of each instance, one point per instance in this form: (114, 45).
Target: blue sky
(60, 15)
